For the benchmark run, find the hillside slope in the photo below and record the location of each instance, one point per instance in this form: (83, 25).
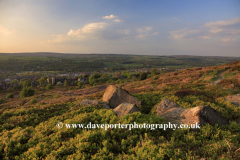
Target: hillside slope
(28, 130)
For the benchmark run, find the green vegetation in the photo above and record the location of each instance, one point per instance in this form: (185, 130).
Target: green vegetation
(25, 83)
(33, 101)
(90, 62)
(30, 131)
(80, 84)
(143, 76)
(42, 80)
(49, 86)
(10, 95)
(26, 92)
(1, 100)
(65, 84)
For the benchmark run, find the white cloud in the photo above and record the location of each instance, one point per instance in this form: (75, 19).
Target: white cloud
(227, 26)
(89, 30)
(183, 34)
(6, 31)
(117, 20)
(109, 17)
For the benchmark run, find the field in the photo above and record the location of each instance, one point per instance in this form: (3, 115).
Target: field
(90, 62)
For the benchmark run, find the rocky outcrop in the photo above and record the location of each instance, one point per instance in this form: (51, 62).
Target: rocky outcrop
(235, 99)
(125, 108)
(172, 112)
(89, 102)
(115, 96)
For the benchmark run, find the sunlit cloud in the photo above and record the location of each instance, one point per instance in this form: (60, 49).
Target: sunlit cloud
(6, 31)
(117, 20)
(183, 34)
(109, 17)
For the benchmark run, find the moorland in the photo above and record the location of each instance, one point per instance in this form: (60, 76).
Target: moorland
(28, 116)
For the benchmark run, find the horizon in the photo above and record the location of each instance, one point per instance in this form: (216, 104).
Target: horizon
(155, 28)
(118, 54)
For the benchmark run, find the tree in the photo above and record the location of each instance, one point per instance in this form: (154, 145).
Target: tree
(49, 86)
(143, 76)
(26, 92)
(10, 95)
(93, 78)
(25, 83)
(42, 80)
(154, 72)
(80, 84)
(65, 84)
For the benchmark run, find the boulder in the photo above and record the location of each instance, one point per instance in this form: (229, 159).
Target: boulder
(89, 102)
(115, 96)
(173, 113)
(125, 108)
(234, 99)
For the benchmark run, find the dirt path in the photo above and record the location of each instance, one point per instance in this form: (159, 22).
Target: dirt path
(218, 80)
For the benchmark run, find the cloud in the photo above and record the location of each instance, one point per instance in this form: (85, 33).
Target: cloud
(117, 20)
(145, 32)
(204, 37)
(183, 34)
(89, 30)
(174, 19)
(109, 17)
(228, 39)
(223, 23)
(228, 26)
(6, 31)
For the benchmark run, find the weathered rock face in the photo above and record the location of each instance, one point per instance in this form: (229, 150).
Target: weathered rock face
(235, 99)
(125, 108)
(115, 96)
(172, 112)
(166, 105)
(89, 102)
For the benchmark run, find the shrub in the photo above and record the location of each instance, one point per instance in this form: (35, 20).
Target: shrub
(65, 84)
(93, 78)
(25, 83)
(49, 86)
(33, 101)
(110, 81)
(26, 92)
(80, 84)
(42, 80)
(119, 81)
(143, 76)
(1, 100)
(10, 95)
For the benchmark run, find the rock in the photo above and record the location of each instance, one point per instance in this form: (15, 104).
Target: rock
(125, 108)
(115, 96)
(173, 113)
(165, 105)
(235, 99)
(89, 102)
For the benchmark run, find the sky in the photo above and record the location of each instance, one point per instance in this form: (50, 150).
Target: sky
(140, 27)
